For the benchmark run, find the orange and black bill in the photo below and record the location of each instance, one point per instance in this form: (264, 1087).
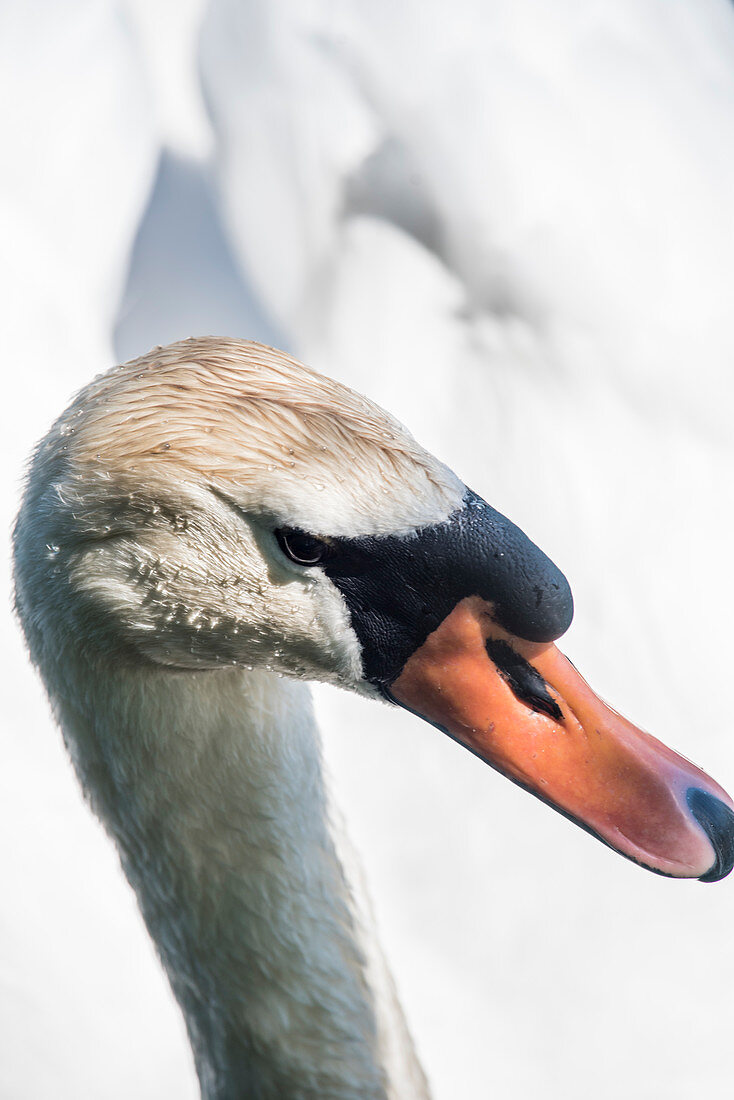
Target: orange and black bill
(523, 708)
(456, 622)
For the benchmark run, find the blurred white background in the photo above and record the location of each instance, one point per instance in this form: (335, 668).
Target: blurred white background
(511, 222)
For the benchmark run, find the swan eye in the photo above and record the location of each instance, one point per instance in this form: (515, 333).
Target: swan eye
(300, 547)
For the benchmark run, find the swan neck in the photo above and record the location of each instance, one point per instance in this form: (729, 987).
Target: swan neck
(212, 786)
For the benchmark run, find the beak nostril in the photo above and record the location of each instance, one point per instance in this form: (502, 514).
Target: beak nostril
(524, 681)
(717, 821)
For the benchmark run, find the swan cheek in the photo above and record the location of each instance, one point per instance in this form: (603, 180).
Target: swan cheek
(525, 710)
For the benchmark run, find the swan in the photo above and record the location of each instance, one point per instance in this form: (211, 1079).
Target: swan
(204, 530)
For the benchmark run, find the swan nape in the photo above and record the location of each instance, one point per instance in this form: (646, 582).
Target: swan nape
(216, 504)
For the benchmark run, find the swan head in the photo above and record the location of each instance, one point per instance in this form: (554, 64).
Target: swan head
(165, 508)
(215, 503)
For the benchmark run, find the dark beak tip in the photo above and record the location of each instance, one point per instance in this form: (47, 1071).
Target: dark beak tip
(717, 821)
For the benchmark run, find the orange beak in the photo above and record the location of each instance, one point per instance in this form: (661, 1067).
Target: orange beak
(523, 708)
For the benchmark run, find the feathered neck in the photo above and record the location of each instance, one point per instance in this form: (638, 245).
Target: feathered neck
(211, 784)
